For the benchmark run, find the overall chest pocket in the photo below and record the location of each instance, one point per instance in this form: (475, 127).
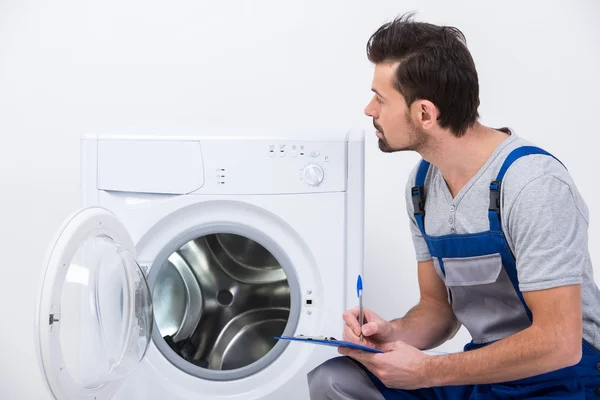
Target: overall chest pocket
(483, 297)
(471, 271)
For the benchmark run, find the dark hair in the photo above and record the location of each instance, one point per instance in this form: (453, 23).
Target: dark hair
(435, 65)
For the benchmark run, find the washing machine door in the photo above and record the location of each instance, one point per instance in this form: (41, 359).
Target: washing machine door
(94, 311)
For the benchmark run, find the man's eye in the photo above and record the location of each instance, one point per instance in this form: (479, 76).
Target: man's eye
(378, 100)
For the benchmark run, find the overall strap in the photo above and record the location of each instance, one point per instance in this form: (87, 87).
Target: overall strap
(496, 185)
(418, 195)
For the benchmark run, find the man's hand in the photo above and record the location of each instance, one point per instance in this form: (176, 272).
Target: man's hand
(401, 366)
(376, 331)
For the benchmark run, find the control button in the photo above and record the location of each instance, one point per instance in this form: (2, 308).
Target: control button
(314, 154)
(281, 153)
(313, 174)
(271, 153)
(294, 154)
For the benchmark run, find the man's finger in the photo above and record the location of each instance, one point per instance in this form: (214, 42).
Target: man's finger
(351, 318)
(370, 328)
(365, 357)
(352, 333)
(349, 334)
(352, 311)
(350, 352)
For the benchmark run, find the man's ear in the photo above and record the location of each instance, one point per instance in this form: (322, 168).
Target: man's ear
(425, 114)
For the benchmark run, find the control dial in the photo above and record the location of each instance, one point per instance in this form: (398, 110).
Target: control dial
(313, 174)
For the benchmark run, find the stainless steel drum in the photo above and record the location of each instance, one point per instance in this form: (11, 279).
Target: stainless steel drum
(245, 260)
(247, 337)
(177, 299)
(219, 300)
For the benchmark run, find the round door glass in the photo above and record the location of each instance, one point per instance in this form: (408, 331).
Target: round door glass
(105, 316)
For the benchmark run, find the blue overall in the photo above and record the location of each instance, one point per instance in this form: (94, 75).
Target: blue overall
(577, 382)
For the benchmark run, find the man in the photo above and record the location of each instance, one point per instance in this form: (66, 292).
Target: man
(500, 233)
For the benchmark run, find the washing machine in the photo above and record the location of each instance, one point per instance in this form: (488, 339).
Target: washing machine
(190, 254)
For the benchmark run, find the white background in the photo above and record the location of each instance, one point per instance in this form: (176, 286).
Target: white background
(69, 66)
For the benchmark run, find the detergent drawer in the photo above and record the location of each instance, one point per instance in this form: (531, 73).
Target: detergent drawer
(150, 166)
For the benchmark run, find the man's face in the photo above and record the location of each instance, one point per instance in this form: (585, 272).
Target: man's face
(396, 129)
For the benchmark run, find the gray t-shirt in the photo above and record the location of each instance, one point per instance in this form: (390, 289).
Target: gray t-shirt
(544, 219)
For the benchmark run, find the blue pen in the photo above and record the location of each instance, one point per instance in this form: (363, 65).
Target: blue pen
(359, 288)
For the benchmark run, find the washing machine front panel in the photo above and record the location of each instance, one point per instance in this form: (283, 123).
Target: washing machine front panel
(94, 313)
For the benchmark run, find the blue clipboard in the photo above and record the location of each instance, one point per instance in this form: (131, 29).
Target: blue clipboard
(328, 342)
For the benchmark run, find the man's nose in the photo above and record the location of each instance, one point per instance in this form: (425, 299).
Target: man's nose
(369, 109)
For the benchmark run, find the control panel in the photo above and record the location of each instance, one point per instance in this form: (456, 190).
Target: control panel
(252, 166)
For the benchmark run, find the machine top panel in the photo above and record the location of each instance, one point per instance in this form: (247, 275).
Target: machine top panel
(212, 134)
(219, 166)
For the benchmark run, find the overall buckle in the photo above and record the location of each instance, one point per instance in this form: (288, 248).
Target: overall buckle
(495, 196)
(418, 198)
